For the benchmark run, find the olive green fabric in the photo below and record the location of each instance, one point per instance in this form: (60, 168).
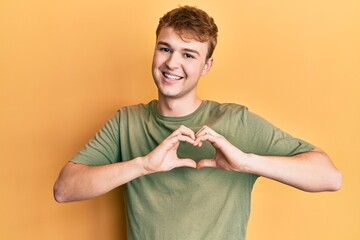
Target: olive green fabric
(187, 203)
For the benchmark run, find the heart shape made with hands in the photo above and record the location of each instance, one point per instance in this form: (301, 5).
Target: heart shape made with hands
(200, 147)
(196, 153)
(206, 148)
(214, 150)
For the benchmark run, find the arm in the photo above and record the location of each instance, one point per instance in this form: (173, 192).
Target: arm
(79, 182)
(312, 171)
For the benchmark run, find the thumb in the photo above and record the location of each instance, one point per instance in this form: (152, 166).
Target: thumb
(186, 162)
(206, 163)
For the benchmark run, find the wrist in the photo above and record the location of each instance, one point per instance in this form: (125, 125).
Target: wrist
(256, 164)
(142, 166)
(248, 162)
(139, 162)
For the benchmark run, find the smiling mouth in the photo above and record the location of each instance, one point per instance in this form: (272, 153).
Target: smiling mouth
(171, 77)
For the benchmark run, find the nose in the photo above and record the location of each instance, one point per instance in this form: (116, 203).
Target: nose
(173, 61)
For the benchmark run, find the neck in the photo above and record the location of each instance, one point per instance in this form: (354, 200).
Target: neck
(178, 107)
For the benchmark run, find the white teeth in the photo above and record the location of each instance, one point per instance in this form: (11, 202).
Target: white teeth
(172, 76)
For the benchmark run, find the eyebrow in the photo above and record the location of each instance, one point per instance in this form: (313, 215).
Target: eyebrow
(184, 49)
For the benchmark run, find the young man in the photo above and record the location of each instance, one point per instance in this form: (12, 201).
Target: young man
(189, 165)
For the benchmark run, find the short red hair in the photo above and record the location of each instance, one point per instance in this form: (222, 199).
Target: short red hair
(191, 23)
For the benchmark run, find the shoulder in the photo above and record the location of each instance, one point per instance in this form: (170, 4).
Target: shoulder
(232, 109)
(136, 109)
(236, 112)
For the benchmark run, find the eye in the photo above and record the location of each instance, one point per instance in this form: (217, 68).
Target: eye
(164, 49)
(187, 55)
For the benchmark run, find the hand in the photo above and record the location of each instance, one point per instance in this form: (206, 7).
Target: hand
(227, 156)
(164, 157)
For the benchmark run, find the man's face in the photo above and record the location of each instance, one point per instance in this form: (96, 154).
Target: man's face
(178, 64)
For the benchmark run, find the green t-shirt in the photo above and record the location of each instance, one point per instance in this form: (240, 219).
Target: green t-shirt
(187, 203)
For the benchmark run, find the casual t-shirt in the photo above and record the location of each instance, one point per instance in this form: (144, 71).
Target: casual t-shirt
(187, 203)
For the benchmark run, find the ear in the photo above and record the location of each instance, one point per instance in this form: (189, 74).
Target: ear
(207, 66)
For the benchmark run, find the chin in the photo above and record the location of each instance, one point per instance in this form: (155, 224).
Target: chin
(168, 95)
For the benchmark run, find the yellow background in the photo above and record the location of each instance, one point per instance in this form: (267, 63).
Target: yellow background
(66, 66)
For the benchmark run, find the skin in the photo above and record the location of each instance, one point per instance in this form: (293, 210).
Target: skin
(178, 64)
(182, 59)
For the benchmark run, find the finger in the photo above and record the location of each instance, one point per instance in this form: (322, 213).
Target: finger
(179, 138)
(183, 138)
(206, 163)
(182, 130)
(202, 131)
(206, 137)
(186, 162)
(197, 143)
(205, 130)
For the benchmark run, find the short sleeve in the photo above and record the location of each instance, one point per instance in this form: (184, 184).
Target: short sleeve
(104, 148)
(267, 140)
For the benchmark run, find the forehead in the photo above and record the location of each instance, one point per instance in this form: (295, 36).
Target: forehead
(175, 40)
